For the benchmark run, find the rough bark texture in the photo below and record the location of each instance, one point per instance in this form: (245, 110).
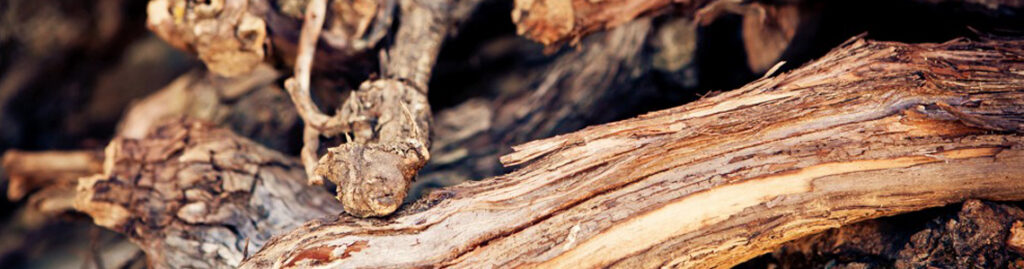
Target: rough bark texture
(191, 195)
(978, 235)
(386, 121)
(251, 105)
(872, 129)
(233, 36)
(603, 81)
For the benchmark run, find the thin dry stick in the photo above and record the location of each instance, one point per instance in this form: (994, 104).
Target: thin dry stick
(298, 88)
(298, 85)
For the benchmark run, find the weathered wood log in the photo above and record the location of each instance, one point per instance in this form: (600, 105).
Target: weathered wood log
(191, 195)
(872, 129)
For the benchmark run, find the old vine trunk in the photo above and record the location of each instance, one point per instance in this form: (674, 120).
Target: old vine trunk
(872, 129)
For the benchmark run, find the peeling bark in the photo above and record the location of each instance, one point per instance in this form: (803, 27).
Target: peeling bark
(191, 195)
(872, 129)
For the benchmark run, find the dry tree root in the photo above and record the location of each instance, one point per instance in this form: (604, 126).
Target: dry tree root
(193, 195)
(872, 129)
(386, 122)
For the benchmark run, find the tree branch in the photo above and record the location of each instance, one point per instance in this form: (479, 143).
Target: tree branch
(872, 129)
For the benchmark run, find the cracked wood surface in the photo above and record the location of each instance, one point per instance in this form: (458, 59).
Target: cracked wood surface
(192, 195)
(872, 129)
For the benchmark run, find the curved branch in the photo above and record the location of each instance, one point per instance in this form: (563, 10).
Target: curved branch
(388, 118)
(856, 135)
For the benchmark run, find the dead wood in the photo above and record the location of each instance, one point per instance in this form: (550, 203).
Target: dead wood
(191, 195)
(252, 105)
(50, 177)
(976, 234)
(557, 21)
(29, 171)
(601, 82)
(233, 36)
(768, 27)
(872, 129)
(386, 122)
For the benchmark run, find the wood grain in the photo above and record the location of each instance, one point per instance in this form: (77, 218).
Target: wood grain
(872, 129)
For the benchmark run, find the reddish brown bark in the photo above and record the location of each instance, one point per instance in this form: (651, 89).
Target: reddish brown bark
(872, 129)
